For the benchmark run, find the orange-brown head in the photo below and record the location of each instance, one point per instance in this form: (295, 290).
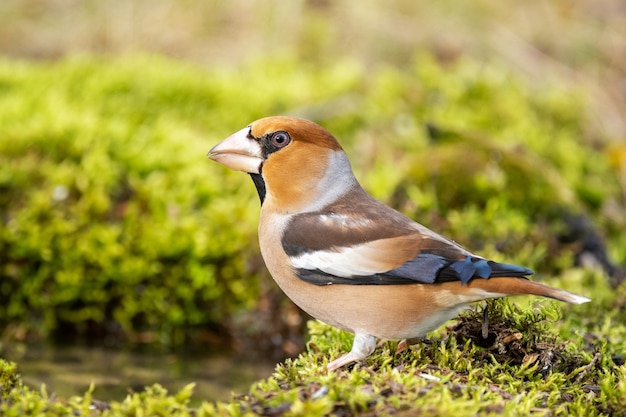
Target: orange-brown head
(295, 163)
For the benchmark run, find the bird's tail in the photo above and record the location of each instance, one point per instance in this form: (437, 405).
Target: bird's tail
(498, 287)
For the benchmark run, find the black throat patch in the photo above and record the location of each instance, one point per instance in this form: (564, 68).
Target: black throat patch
(259, 183)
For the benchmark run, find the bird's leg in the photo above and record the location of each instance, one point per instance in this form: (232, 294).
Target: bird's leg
(402, 346)
(362, 347)
(405, 343)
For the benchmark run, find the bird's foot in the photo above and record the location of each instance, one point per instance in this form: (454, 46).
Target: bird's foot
(405, 343)
(362, 347)
(402, 346)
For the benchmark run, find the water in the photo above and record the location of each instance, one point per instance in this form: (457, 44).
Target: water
(68, 371)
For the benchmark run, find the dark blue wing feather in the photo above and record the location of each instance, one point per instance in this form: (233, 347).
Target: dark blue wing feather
(430, 268)
(423, 268)
(473, 267)
(426, 268)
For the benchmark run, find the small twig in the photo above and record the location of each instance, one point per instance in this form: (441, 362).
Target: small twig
(588, 368)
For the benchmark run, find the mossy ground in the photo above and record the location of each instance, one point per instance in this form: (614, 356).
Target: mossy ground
(532, 363)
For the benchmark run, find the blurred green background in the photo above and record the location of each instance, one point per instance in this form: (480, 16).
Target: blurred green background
(500, 124)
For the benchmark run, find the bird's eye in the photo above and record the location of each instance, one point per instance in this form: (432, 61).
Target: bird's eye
(280, 139)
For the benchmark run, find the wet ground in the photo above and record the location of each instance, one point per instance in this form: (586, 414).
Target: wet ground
(68, 371)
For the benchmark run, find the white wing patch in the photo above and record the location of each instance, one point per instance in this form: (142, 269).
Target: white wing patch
(346, 262)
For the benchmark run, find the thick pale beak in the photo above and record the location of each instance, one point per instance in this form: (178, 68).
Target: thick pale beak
(239, 152)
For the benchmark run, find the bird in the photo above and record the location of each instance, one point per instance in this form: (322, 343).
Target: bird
(346, 258)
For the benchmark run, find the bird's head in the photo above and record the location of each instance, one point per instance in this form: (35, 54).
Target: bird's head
(296, 164)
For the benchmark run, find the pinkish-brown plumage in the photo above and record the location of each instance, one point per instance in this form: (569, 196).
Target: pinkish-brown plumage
(348, 259)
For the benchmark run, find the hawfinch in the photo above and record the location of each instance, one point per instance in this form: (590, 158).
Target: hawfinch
(346, 258)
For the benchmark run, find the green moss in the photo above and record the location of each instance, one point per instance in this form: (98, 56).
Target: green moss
(450, 375)
(541, 358)
(527, 370)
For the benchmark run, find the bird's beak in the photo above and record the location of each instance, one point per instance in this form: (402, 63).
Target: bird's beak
(240, 152)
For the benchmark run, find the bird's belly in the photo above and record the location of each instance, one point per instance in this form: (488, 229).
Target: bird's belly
(384, 311)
